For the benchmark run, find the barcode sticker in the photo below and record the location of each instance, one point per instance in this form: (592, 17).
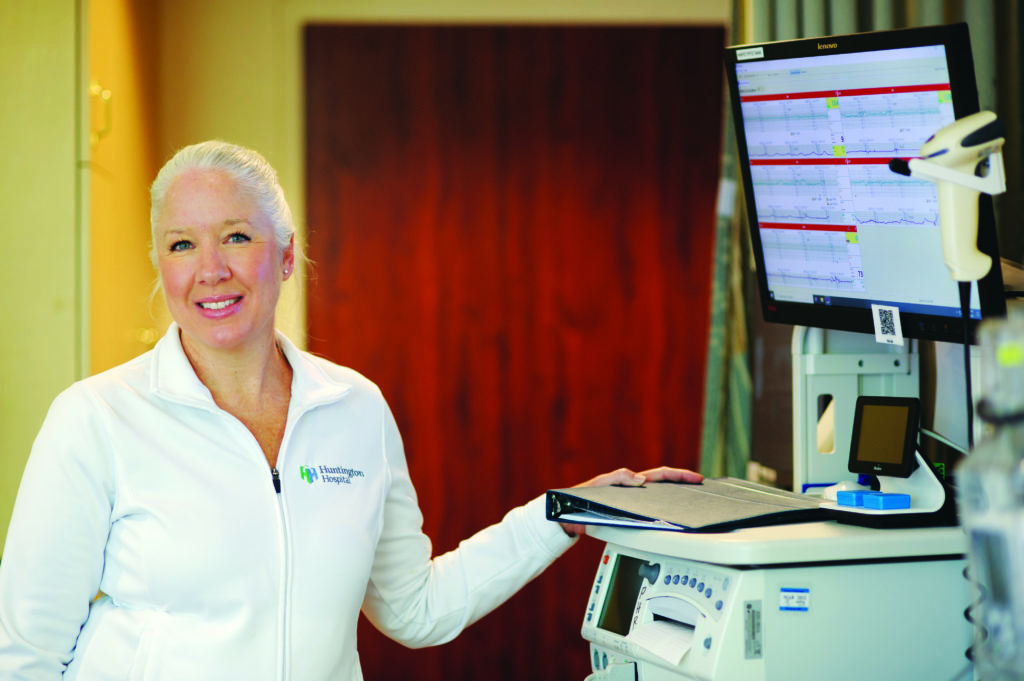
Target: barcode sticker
(887, 324)
(753, 638)
(794, 600)
(750, 53)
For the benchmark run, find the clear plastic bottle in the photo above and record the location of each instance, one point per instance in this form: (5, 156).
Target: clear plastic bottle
(990, 496)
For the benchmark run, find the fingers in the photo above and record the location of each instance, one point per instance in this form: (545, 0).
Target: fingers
(628, 478)
(622, 476)
(573, 529)
(671, 474)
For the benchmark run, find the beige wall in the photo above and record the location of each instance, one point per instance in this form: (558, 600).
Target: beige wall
(123, 319)
(41, 336)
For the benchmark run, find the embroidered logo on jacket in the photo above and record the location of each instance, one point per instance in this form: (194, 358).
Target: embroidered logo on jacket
(330, 475)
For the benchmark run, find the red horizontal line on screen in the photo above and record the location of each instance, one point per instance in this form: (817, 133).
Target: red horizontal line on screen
(805, 227)
(851, 92)
(840, 161)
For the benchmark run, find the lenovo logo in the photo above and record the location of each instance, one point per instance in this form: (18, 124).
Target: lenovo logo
(827, 46)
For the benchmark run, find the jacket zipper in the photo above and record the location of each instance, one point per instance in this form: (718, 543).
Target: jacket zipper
(282, 673)
(285, 624)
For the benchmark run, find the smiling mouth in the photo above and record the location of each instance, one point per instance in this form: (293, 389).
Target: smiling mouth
(220, 304)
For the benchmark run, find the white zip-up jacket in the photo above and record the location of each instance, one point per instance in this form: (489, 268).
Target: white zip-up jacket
(139, 486)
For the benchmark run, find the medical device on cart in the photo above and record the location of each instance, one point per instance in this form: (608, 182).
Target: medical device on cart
(851, 254)
(781, 603)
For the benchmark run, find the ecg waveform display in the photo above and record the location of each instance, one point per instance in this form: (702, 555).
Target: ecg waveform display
(869, 122)
(809, 257)
(847, 194)
(819, 171)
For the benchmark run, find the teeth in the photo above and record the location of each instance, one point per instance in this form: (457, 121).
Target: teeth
(220, 305)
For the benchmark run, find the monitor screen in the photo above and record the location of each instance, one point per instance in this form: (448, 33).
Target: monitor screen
(884, 440)
(623, 589)
(834, 230)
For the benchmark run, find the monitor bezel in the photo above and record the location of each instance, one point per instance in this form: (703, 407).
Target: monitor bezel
(955, 38)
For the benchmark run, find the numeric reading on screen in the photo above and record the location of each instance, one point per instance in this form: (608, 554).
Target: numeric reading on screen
(833, 220)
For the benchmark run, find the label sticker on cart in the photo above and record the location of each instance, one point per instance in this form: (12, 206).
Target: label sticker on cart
(794, 600)
(753, 641)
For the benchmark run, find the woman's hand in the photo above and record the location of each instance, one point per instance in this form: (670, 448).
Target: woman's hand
(626, 477)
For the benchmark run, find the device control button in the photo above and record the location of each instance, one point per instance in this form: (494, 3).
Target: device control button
(685, 579)
(725, 584)
(650, 572)
(604, 660)
(590, 616)
(700, 587)
(675, 579)
(668, 579)
(707, 592)
(719, 605)
(693, 582)
(707, 643)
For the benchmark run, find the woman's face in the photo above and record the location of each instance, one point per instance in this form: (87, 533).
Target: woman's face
(220, 266)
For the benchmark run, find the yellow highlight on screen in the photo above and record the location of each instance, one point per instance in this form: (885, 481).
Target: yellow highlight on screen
(832, 102)
(839, 150)
(851, 238)
(1010, 354)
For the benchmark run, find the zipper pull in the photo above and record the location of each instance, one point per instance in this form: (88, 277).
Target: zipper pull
(277, 479)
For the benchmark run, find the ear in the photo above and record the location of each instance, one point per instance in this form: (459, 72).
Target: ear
(288, 259)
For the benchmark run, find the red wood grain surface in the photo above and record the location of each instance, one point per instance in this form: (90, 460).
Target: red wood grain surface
(512, 234)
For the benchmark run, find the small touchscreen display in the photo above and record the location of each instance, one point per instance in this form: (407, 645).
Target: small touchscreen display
(884, 438)
(623, 587)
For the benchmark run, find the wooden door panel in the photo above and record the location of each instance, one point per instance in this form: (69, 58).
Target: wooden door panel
(512, 229)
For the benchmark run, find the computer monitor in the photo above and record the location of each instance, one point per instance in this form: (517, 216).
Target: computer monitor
(833, 229)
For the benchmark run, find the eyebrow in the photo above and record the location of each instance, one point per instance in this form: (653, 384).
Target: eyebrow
(230, 222)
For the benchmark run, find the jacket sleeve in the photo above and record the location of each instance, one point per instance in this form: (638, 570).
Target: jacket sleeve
(419, 601)
(53, 556)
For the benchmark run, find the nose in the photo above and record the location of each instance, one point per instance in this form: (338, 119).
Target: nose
(213, 267)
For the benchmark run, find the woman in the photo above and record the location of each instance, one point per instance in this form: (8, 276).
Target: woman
(236, 501)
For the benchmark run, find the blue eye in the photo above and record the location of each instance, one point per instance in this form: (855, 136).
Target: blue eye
(180, 245)
(238, 238)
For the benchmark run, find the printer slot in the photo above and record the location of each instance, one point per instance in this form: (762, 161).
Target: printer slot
(669, 632)
(673, 609)
(669, 620)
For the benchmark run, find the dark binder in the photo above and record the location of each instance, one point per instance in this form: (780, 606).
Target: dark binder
(714, 505)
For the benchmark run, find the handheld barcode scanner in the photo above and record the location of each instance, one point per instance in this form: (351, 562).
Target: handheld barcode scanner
(964, 158)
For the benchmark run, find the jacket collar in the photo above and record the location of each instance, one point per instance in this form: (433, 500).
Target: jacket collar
(173, 378)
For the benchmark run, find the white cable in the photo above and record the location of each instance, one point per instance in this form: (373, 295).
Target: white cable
(948, 443)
